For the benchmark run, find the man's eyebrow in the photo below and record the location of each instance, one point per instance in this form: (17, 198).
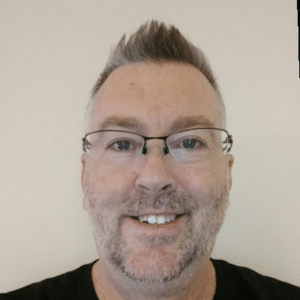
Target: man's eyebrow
(180, 123)
(120, 121)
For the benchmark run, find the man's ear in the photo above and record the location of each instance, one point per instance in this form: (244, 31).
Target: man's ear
(83, 171)
(83, 181)
(230, 161)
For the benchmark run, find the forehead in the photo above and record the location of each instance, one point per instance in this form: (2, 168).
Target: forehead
(155, 95)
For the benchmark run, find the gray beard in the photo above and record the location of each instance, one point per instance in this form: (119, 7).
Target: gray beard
(207, 217)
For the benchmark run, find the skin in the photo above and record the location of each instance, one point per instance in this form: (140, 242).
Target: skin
(135, 263)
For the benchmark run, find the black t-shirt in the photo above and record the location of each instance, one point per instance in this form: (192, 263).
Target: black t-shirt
(233, 283)
(73, 285)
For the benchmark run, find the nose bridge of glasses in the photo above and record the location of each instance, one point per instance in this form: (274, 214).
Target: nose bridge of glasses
(163, 146)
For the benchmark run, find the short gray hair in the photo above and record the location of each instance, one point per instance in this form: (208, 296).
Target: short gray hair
(155, 42)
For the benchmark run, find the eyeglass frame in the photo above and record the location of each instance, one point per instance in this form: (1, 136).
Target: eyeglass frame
(144, 149)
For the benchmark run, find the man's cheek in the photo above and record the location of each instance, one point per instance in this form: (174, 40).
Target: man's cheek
(197, 178)
(119, 181)
(112, 186)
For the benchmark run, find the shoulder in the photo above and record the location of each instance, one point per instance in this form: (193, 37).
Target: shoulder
(248, 284)
(69, 285)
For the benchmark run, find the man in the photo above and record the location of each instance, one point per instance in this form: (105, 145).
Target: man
(156, 175)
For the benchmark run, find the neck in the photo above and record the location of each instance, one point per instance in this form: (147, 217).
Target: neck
(199, 284)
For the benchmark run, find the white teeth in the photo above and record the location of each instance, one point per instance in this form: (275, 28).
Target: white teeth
(142, 219)
(152, 220)
(157, 219)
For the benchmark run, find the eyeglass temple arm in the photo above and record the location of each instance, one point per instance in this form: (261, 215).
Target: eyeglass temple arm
(84, 143)
(230, 141)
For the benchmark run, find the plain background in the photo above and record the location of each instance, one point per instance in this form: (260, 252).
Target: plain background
(51, 55)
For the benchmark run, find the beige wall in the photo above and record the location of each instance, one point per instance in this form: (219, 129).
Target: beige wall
(51, 55)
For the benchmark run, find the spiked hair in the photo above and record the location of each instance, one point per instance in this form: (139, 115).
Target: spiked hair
(155, 42)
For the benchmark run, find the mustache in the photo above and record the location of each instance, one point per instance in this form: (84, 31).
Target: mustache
(173, 201)
(134, 203)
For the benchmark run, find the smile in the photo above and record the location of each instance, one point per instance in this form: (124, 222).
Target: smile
(144, 227)
(156, 219)
(161, 219)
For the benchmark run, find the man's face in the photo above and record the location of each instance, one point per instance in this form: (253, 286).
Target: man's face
(155, 95)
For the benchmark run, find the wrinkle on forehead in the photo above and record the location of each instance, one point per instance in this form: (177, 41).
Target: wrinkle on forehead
(155, 93)
(180, 123)
(140, 76)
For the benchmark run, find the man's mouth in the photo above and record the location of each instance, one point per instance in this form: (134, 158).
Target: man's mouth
(150, 224)
(157, 219)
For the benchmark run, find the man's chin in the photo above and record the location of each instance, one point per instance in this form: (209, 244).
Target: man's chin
(154, 265)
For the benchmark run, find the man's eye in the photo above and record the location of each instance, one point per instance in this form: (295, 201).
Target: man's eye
(192, 144)
(121, 146)
(188, 143)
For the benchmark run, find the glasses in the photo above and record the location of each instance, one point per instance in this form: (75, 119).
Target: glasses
(123, 147)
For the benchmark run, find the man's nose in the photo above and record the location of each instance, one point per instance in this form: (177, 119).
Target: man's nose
(156, 172)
